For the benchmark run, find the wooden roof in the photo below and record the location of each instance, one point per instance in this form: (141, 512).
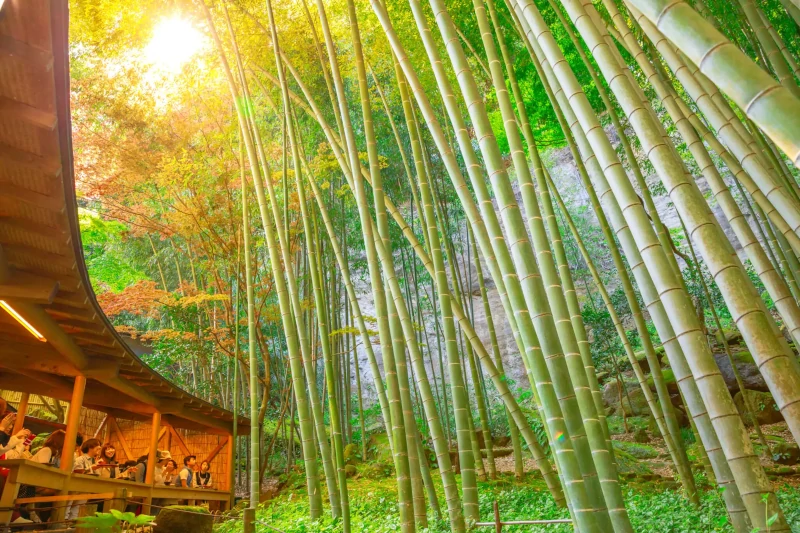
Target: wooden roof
(42, 271)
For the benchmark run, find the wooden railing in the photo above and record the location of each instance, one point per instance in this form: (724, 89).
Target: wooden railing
(116, 492)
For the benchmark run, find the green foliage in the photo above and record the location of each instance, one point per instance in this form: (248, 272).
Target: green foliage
(114, 521)
(104, 250)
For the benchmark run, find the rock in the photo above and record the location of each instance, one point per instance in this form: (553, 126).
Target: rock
(172, 520)
(611, 399)
(763, 406)
(379, 449)
(602, 377)
(640, 435)
(350, 470)
(502, 442)
(351, 454)
(786, 453)
(455, 462)
(751, 377)
(498, 452)
(669, 379)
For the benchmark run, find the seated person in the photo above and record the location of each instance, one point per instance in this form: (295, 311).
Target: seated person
(202, 478)
(162, 456)
(127, 471)
(169, 474)
(107, 465)
(90, 451)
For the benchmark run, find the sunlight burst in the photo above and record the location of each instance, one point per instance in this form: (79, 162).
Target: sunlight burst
(174, 42)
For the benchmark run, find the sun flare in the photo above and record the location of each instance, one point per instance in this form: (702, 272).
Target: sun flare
(175, 41)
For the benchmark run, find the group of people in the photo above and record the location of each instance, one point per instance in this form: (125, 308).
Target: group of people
(92, 457)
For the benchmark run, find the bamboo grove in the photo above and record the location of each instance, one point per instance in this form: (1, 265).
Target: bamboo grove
(699, 99)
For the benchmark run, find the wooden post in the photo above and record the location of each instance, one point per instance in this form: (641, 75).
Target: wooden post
(231, 470)
(22, 410)
(73, 421)
(152, 454)
(498, 526)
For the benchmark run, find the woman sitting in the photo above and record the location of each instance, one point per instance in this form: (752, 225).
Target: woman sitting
(107, 465)
(50, 452)
(203, 478)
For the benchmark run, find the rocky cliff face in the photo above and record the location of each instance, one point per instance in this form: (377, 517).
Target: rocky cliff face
(565, 174)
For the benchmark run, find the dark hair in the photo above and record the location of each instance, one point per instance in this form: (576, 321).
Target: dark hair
(205, 463)
(188, 458)
(171, 461)
(142, 459)
(55, 441)
(89, 444)
(113, 458)
(79, 440)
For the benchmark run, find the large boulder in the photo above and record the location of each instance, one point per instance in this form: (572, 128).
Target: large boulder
(763, 405)
(182, 518)
(669, 379)
(751, 377)
(611, 399)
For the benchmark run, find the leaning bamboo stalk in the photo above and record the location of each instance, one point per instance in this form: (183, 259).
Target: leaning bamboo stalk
(773, 107)
(400, 445)
(290, 332)
(779, 367)
(454, 172)
(562, 108)
(650, 295)
(753, 320)
(600, 451)
(490, 368)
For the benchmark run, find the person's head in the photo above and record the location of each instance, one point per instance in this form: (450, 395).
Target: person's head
(205, 466)
(79, 440)
(92, 447)
(142, 459)
(55, 441)
(108, 453)
(162, 456)
(190, 461)
(170, 465)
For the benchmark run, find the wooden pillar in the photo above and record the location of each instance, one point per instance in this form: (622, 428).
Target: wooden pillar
(231, 470)
(22, 410)
(152, 454)
(73, 421)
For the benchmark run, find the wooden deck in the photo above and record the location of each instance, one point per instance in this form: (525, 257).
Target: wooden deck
(120, 492)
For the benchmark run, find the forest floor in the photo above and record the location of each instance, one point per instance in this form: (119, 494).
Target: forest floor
(655, 502)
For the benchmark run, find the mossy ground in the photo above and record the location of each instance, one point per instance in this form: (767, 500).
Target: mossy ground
(373, 508)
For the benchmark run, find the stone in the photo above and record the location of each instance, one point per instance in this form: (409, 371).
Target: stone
(379, 449)
(351, 452)
(763, 406)
(751, 377)
(641, 436)
(611, 399)
(602, 377)
(350, 470)
(669, 380)
(174, 519)
(786, 453)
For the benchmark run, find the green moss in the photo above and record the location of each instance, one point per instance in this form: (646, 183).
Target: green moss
(640, 451)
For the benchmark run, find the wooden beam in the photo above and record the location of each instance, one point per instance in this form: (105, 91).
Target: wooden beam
(29, 288)
(52, 332)
(100, 427)
(179, 439)
(112, 422)
(11, 47)
(22, 410)
(153, 451)
(64, 498)
(217, 449)
(73, 420)
(30, 114)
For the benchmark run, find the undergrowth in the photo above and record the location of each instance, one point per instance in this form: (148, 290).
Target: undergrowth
(373, 509)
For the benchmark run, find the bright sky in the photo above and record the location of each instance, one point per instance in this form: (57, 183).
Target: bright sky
(175, 41)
